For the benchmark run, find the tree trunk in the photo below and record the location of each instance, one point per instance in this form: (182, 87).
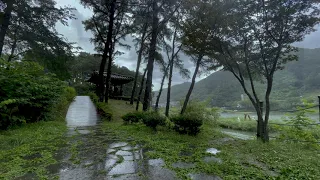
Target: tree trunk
(258, 108)
(191, 86)
(169, 89)
(141, 89)
(155, 20)
(136, 76)
(101, 71)
(259, 111)
(160, 91)
(265, 131)
(14, 45)
(5, 24)
(110, 49)
(171, 61)
(138, 64)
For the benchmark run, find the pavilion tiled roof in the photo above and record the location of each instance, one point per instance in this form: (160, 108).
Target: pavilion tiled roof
(115, 78)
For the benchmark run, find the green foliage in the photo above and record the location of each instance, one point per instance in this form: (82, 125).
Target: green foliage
(195, 115)
(27, 93)
(299, 128)
(32, 35)
(153, 119)
(133, 117)
(93, 97)
(69, 93)
(238, 124)
(242, 124)
(84, 88)
(187, 123)
(42, 139)
(59, 108)
(202, 110)
(104, 110)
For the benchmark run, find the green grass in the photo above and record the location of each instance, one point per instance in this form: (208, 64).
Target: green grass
(30, 148)
(241, 159)
(40, 140)
(242, 125)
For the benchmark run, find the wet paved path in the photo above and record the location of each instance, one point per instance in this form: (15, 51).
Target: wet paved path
(94, 153)
(82, 112)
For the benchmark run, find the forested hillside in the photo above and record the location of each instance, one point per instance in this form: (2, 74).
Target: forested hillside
(299, 78)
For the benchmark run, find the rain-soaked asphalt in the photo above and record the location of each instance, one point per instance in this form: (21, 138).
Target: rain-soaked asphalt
(94, 153)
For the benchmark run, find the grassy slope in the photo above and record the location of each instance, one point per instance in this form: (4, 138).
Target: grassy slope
(29, 149)
(241, 159)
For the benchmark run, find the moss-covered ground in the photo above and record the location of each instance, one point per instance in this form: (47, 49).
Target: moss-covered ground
(28, 150)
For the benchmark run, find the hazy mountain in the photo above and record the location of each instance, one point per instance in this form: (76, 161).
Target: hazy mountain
(299, 78)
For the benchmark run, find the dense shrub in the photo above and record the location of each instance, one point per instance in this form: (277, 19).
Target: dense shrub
(153, 119)
(69, 94)
(93, 97)
(83, 89)
(59, 109)
(201, 110)
(104, 110)
(27, 93)
(187, 123)
(133, 117)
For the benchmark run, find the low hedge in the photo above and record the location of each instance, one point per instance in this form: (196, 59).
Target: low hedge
(104, 111)
(153, 119)
(133, 117)
(150, 119)
(187, 123)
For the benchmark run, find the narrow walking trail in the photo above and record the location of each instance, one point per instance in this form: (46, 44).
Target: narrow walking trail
(95, 153)
(82, 112)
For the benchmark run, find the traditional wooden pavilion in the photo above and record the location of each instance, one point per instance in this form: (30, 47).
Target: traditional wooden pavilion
(117, 82)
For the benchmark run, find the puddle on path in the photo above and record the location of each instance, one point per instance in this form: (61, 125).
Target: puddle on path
(213, 151)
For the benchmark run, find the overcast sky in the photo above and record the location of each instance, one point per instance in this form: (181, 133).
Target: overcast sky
(75, 33)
